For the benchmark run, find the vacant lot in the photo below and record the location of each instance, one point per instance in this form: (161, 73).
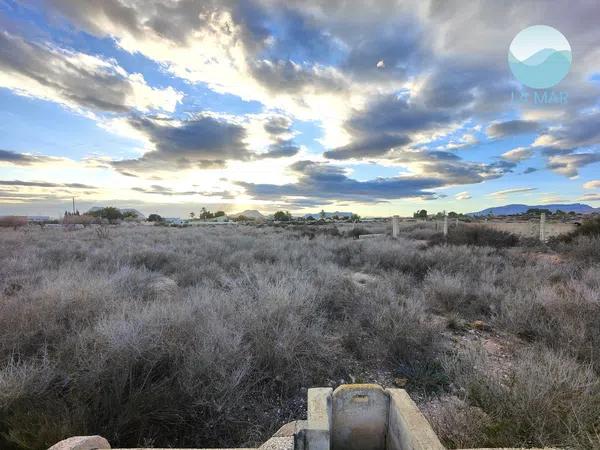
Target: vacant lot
(201, 337)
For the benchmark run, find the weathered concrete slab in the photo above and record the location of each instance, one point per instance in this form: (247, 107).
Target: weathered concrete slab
(407, 427)
(360, 416)
(278, 443)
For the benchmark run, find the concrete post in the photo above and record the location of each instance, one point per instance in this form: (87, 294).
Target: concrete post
(395, 226)
(445, 225)
(319, 412)
(543, 227)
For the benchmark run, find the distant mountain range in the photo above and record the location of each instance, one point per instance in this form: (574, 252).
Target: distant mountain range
(507, 210)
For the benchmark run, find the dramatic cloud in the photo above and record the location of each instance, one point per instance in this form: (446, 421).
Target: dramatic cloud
(325, 182)
(200, 142)
(280, 149)
(203, 141)
(500, 130)
(277, 125)
(330, 183)
(449, 168)
(582, 131)
(413, 85)
(368, 147)
(517, 154)
(76, 79)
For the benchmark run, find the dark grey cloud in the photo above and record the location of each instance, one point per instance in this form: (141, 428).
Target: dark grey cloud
(323, 181)
(384, 124)
(23, 159)
(319, 182)
(570, 164)
(65, 77)
(200, 142)
(371, 146)
(400, 52)
(581, 131)
(285, 76)
(394, 114)
(277, 125)
(281, 149)
(530, 170)
(45, 184)
(451, 169)
(500, 130)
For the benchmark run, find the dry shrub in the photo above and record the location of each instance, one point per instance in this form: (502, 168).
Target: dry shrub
(546, 399)
(209, 337)
(13, 221)
(457, 424)
(478, 235)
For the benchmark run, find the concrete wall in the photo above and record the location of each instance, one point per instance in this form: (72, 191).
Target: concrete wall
(407, 427)
(360, 416)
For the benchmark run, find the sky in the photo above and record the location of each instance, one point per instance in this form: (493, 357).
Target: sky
(375, 107)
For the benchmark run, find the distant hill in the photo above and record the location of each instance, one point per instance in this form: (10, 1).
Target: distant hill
(250, 213)
(507, 210)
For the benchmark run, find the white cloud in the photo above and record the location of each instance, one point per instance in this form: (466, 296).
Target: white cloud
(592, 184)
(506, 192)
(463, 196)
(517, 154)
(83, 82)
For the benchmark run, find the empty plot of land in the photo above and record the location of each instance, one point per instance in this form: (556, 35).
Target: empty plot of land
(201, 337)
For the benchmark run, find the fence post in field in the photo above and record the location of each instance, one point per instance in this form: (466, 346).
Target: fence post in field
(395, 226)
(542, 227)
(445, 225)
